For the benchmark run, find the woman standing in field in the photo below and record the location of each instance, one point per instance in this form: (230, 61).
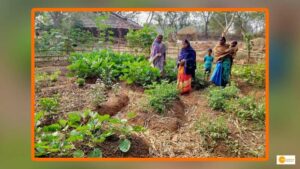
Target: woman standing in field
(158, 54)
(223, 55)
(186, 64)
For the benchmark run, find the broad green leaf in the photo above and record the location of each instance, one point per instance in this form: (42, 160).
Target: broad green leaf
(138, 128)
(131, 115)
(101, 139)
(62, 122)
(95, 153)
(115, 121)
(124, 145)
(78, 154)
(52, 127)
(104, 118)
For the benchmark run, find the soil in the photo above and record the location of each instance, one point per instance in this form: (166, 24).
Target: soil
(246, 89)
(172, 134)
(113, 105)
(139, 148)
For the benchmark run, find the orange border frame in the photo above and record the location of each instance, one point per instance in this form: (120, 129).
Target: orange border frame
(161, 159)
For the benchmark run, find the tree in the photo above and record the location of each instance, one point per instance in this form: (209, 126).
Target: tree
(205, 18)
(224, 20)
(142, 38)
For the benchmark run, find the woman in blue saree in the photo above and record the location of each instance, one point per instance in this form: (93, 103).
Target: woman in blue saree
(221, 74)
(186, 63)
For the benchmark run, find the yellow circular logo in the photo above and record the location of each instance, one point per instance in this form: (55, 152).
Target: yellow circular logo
(281, 159)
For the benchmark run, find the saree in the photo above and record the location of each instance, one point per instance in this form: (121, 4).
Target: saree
(186, 71)
(184, 81)
(158, 61)
(221, 74)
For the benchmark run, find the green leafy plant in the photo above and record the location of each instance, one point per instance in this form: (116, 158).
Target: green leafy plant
(218, 96)
(170, 70)
(80, 82)
(227, 99)
(109, 66)
(140, 73)
(251, 110)
(251, 74)
(49, 104)
(212, 129)
(142, 38)
(161, 96)
(83, 128)
(47, 78)
(98, 94)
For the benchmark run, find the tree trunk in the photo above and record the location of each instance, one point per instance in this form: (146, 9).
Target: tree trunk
(206, 30)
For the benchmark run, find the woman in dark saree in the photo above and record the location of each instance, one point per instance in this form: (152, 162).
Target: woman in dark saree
(186, 64)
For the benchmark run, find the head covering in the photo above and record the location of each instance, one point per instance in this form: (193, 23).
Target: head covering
(187, 42)
(189, 54)
(223, 39)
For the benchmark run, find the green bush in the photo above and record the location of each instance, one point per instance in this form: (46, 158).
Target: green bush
(112, 66)
(140, 73)
(161, 96)
(142, 38)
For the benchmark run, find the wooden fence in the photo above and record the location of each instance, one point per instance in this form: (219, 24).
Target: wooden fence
(172, 52)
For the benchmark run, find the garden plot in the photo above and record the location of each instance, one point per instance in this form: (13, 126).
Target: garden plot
(125, 113)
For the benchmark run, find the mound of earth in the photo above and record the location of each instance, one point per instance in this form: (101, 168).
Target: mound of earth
(172, 120)
(114, 104)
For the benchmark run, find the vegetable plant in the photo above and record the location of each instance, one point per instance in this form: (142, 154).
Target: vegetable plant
(160, 96)
(212, 129)
(61, 139)
(80, 82)
(49, 104)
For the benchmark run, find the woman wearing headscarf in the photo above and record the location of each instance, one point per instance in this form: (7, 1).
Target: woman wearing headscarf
(186, 64)
(221, 74)
(158, 54)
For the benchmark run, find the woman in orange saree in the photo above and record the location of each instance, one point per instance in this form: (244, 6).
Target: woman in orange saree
(186, 64)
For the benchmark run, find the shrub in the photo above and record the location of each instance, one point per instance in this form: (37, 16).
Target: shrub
(98, 94)
(140, 73)
(111, 66)
(161, 96)
(142, 38)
